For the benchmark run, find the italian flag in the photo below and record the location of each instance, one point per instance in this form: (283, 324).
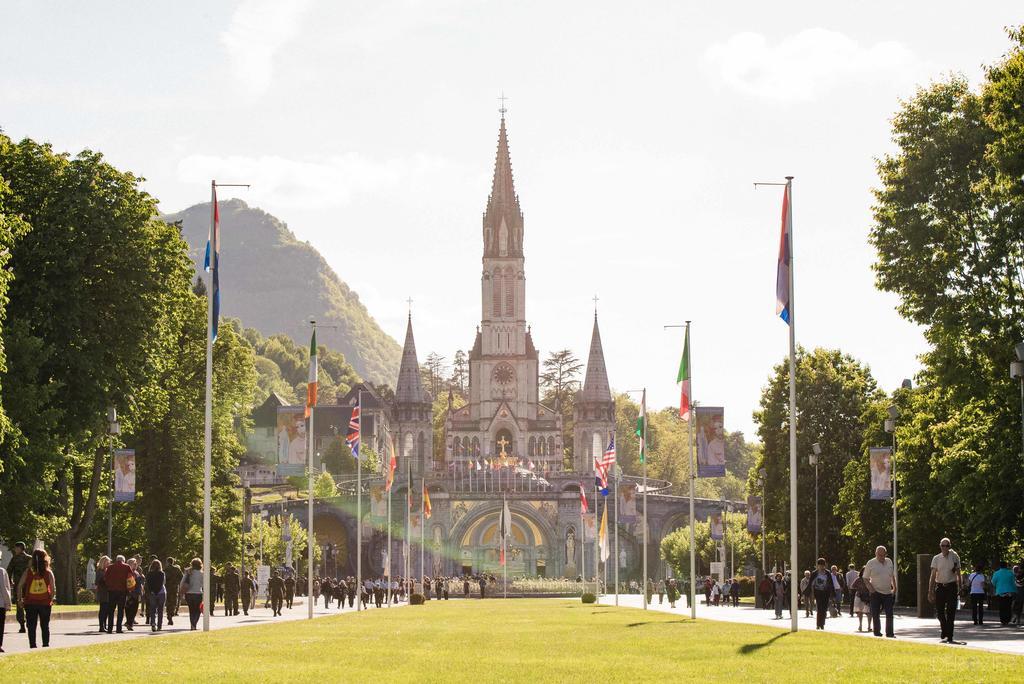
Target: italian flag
(313, 372)
(684, 378)
(640, 424)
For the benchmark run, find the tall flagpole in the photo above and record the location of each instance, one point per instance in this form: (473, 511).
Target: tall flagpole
(408, 521)
(359, 506)
(693, 477)
(311, 441)
(793, 600)
(615, 514)
(644, 456)
(583, 541)
(390, 477)
(504, 549)
(597, 542)
(208, 434)
(423, 523)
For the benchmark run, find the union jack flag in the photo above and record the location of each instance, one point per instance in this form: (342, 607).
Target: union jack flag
(602, 464)
(352, 440)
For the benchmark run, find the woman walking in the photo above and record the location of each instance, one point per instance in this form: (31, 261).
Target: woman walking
(156, 594)
(103, 596)
(5, 602)
(192, 587)
(36, 591)
(135, 583)
(977, 584)
(861, 599)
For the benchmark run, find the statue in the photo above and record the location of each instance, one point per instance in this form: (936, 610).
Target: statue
(570, 546)
(622, 559)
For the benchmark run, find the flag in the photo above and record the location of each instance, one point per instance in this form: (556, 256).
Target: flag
(782, 293)
(352, 440)
(212, 263)
(426, 501)
(505, 526)
(602, 534)
(531, 466)
(408, 489)
(640, 420)
(602, 464)
(314, 371)
(683, 377)
(583, 499)
(392, 461)
(478, 466)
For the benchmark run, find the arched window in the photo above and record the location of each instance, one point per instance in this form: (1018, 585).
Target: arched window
(503, 238)
(509, 293)
(496, 291)
(551, 446)
(531, 447)
(421, 446)
(476, 447)
(598, 449)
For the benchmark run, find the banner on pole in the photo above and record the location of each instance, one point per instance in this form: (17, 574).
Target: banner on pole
(627, 503)
(124, 475)
(378, 503)
(710, 441)
(717, 525)
(881, 473)
(589, 527)
(291, 440)
(754, 510)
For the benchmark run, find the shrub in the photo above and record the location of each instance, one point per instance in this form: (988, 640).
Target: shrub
(416, 600)
(85, 596)
(589, 598)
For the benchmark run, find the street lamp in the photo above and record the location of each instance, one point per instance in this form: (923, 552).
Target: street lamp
(113, 429)
(1017, 373)
(813, 460)
(890, 427)
(762, 483)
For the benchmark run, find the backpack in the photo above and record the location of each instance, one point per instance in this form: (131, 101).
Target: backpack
(821, 582)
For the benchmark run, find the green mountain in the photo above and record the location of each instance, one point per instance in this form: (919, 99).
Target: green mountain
(275, 284)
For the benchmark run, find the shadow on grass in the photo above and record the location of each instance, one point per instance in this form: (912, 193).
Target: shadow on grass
(747, 649)
(667, 622)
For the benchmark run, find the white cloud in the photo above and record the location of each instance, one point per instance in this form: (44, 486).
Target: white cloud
(258, 31)
(282, 183)
(801, 66)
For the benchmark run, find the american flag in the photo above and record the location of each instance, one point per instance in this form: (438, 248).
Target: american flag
(602, 464)
(352, 440)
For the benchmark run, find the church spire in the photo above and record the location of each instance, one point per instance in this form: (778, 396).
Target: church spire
(409, 389)
(503, 219)
(595, 385)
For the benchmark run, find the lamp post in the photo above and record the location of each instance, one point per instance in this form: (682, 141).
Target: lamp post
(1017, 373)
(813, 459)
(890, 427)
(762, 483)
(113, 429)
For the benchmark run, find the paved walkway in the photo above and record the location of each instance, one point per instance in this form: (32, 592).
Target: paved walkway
(988, 637)
(85, 631)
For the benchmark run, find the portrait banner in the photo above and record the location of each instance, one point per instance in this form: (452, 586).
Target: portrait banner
(378, 503)
(754, 511)
(710, 441)
(881, 477)
(291, 440)
(589, 527)
(627, 503)
(124, 475)
(717, 525)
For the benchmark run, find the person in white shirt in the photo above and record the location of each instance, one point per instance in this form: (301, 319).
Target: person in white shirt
(880, 577)
(977, 581)
(944, 588)
(851, 577)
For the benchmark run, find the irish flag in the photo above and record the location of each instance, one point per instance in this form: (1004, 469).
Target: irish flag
(640, 421)
(684, 378)
(313, 372)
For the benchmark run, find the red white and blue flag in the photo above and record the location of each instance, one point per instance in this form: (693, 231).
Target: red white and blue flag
(602, 464)
(212, 263)
(352, 440)
(782, 293)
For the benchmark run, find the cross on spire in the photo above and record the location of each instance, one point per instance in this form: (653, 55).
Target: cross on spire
(409, 302)
(595, 305)
(502, 109)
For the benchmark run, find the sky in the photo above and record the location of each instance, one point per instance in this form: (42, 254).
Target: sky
(636, 131)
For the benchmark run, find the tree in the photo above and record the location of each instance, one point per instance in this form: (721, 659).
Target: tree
(93, 281)
(460, 371)
(834, 391)
(433, 372)
(561, 375)
(324, 487)
(740, 546)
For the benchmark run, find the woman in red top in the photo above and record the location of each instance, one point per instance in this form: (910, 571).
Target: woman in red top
(35, 593)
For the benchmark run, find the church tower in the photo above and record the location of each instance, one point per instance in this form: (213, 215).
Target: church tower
(594, 412)
(413, 412)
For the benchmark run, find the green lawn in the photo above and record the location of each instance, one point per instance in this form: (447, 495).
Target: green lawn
(519, 640)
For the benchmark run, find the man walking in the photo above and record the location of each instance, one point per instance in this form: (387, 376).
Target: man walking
(289, 590)
(880, 578)
(275, 591)
(1005, 589)
(247, 589)
(15, 569)
(174, 576)
(944, 588)
(851, 576)
(116, 579)
(231, 588)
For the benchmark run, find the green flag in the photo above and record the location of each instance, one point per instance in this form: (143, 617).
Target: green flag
(641, 421)
(684, 378)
